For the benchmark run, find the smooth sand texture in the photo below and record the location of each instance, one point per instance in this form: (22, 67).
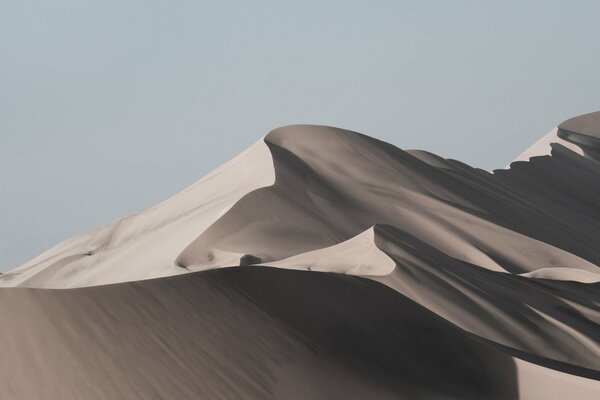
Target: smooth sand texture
(144, 245)
(332, 185)
(260, 333)
(487, 284)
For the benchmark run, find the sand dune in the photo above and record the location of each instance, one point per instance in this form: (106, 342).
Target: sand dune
(144, 245)
(502, 222)
(242, 333)
(478, 285)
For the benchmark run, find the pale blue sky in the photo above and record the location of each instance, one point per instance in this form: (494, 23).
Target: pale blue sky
(107, 107)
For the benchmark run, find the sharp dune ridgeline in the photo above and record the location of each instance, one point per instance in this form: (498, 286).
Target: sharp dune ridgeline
(325, 264)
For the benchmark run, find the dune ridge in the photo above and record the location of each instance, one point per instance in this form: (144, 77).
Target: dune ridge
(323, 263)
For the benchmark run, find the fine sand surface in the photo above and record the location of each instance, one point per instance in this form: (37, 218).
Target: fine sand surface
(144, 245)
(252, 333)
(364, 271)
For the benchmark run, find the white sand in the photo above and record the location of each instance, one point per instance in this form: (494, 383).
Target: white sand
(145, 245)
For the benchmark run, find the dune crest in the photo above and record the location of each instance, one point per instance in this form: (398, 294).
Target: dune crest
(356, 256)
(356, 267)
(144, 245)
(304, 188)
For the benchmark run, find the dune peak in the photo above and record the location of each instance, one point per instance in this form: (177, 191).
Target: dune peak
(324, 263)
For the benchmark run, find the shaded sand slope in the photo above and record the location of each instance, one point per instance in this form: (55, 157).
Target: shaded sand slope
(331, 185)
(305, 188)
(584, 132)
(557, 320)
(580, 134)
(241, 333)
(257, 333)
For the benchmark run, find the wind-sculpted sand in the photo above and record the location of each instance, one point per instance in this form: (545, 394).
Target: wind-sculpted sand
(363, 272)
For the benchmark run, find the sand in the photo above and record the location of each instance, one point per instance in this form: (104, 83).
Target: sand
(148, 242)
(239, 333)
(363, 271)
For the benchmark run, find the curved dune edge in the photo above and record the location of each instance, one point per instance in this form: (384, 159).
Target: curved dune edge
(319, 186)
(543, 147)
(564, 274)
(356, 256)
(507, 309)
(149, 241)
(316, 204)
(538, 383)
(586, 124)
(579, 134)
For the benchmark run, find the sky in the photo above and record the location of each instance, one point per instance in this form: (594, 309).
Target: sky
(109, 107)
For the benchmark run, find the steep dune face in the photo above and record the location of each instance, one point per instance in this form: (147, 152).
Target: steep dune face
(580, 135)
(442, 223)
(306, 188)
(584, 132)
(555, 320)
(331, 185)
(543, 147)
(486, 283)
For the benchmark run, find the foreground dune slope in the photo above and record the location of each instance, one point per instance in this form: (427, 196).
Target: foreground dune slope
(247, 333)
(479, 285)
